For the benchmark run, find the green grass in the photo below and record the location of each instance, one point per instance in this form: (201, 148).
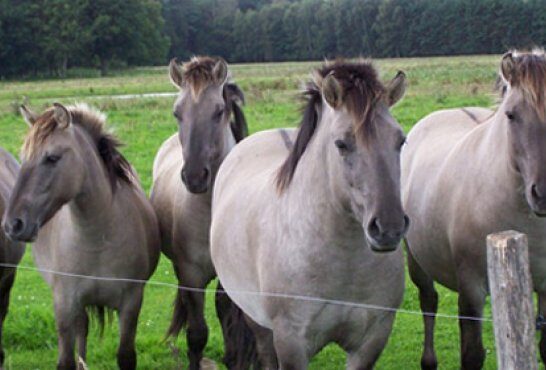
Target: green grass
(29, 332)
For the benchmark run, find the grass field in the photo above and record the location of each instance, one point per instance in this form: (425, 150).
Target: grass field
(143, 123)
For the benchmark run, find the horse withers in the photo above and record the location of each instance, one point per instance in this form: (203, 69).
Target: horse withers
(11, 251)
(316, 212)
(78, 199)
(210, 122)
(470, 172)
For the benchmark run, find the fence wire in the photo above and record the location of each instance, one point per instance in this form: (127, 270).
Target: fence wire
(253, 293)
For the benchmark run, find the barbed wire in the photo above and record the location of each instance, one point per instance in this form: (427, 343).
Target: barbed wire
(253, 293)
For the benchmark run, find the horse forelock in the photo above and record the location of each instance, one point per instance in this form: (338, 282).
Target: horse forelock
(198, 74)
(361, 90)
(530, 78)
(93, 122)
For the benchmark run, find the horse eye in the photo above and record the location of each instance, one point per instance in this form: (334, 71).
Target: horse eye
(510, 115)
(219, 114)
(52, 159)
(176, 115)
(341, 145)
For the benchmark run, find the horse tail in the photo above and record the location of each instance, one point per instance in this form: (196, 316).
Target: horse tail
(240, 351)
(180, 316)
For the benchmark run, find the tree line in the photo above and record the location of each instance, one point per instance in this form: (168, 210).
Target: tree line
(48, 36)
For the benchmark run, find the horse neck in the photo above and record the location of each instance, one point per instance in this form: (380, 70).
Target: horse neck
(90, 207)
(228, 144)
(494, 155)
(314, 198)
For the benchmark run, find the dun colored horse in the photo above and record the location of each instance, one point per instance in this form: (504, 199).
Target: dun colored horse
(210, 123)
(11, 252)
(470, 172)
(78, 199)
(321, 218)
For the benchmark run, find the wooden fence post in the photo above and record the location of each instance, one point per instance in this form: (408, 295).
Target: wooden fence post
(511, 300)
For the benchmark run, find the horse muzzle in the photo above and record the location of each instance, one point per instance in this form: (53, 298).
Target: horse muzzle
(17, 229)
(196, 182)
(384, 238)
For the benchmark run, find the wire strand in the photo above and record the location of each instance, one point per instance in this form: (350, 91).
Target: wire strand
(242, 292)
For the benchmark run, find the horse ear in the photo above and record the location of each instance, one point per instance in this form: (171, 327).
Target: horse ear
(332, 91)
(220, 71)
(175, 74)
(508, 68)
(29, 116)
(61, 115)
(396, 88)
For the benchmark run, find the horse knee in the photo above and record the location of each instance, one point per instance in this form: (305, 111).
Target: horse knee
(197, 337)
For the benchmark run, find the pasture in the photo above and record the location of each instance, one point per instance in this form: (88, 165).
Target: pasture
(143, 123)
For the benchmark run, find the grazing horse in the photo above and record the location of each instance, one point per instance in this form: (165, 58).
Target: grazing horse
(11, 252)
(77, 197)
(210, 123)
(470, 172)
(321, 217)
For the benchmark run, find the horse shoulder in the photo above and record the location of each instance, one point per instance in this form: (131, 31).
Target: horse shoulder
(169, 152)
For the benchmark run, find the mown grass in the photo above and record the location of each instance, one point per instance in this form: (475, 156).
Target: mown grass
(143, 123)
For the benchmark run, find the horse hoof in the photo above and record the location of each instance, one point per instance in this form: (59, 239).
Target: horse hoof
(208, 364)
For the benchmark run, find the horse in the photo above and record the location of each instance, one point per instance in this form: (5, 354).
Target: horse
(467, 173)
(78, 199)
(210, 123)
(316, 212)
(11, 251)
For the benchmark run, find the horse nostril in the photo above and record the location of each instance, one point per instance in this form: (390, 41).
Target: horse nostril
(17, 226)
(183, 175)
(205, 173)
(534, 192)
(406, 223)
(373, 227)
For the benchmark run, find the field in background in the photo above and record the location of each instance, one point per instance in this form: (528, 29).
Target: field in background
(144, 122)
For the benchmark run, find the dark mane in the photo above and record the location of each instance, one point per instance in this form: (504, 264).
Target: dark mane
(93, 122)
(361, 89)
(234, 98)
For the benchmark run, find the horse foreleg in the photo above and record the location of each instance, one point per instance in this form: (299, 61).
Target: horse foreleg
(65, 318)
(428, 299)
(194, 300)
(81, 337)
(5, 288)
(290, 347)
(375, 340)
(264, 345)
(471, 302)
(128, 320)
